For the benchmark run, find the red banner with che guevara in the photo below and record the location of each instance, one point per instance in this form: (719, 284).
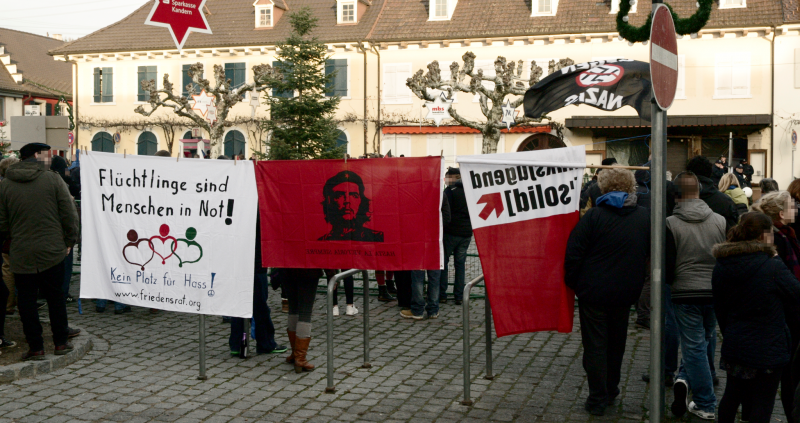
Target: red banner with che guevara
(377, 214)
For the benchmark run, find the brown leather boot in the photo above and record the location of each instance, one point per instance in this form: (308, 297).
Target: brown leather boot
(300, 351)
(292, 337)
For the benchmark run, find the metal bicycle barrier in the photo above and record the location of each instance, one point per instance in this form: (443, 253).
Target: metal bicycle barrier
(465, 315)
(332, 283)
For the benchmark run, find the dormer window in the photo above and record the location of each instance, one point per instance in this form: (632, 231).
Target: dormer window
(268, 12)
(615, 6)
(544, 7)
(347, 13)
(731, 4)
(442, 10)
(264, 17)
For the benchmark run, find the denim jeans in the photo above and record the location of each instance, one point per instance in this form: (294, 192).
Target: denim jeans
(103, 303)
(457, 247)
(265, 331)
(695, 323)
(671, 335)
(418, 304)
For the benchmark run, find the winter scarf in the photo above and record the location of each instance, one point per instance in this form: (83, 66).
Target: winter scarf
(786, 235)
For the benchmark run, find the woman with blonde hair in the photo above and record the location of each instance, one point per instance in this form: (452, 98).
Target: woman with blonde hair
(780, 207)
(730, 186)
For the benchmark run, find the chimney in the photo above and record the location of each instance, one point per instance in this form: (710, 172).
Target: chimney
(58, 37)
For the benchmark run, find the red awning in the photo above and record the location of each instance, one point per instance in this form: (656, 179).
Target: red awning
(460, 130)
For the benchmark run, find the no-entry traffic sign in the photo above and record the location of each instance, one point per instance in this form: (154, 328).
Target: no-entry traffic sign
(663, 57)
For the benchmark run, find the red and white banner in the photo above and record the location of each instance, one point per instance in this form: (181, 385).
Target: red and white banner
(523, 207)
(372, 214)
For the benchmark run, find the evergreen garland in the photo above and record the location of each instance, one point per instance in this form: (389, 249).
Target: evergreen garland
(691, 25)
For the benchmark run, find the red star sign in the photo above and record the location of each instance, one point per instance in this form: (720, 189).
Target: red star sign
(181, 17)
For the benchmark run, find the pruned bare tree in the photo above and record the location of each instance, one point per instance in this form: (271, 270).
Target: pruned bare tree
(507, 80)
(225, 97)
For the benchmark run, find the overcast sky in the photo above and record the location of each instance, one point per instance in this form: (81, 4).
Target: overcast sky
(71, 18)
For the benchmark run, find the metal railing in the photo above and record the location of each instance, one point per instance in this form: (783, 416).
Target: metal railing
(465, 315)
(332, 283)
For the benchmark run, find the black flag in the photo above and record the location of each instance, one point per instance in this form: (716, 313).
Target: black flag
(606, 84)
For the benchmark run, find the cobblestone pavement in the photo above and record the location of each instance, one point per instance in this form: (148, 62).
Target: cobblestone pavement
(144, 368)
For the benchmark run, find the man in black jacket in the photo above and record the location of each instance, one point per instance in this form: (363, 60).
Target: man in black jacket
(457, 235)
(720, 203)
(605, 264)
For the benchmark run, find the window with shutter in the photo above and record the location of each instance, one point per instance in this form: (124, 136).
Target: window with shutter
(103, 142)
(397, 144)
(187, 80)
(147, 144)
(145, 73)
(732, 75)
(108, 85)
(680, 90)
(444, 67)
(98, 87)
(275, 92)
(234, 143)
(395, 90)
(338, 85)
(797, 68)
(488, 70)
(443, 144)
(2, 109)
(236, 72)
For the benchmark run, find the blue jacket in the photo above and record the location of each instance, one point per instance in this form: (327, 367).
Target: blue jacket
(751, 285)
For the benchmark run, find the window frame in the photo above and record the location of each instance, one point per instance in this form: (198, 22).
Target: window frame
(535, 5)
(340, 11)
(244, 80)
(113, 88)
(261, 8)
(183, 75)
(139, 83)
(397, 100)
(732, 57)
(395, 149)
(139, 142)
(722, 5)
(432, 16)
(224, 141)
(344, 97)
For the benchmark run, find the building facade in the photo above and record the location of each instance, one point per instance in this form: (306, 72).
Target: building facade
(29, 77)
(733, 75)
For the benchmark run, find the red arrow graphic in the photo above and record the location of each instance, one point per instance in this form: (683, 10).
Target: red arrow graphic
(493, 202)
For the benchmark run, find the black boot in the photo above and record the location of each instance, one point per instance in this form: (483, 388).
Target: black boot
(384, 295)
(391, 287)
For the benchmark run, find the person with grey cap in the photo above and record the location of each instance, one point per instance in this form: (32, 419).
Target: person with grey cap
(38, 214)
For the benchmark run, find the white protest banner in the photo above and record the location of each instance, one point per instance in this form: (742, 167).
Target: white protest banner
(523, 207)
(169, 235)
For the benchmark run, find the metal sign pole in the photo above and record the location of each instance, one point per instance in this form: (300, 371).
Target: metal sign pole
(730, 152)
(202, 348)
(657, 240)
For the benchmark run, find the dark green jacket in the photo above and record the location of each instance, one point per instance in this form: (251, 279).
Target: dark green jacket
(38, 214)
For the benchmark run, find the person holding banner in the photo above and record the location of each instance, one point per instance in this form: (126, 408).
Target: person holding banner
(300, 288)
(457, 235)
(38, 213)
(605, 264)
(264, 329)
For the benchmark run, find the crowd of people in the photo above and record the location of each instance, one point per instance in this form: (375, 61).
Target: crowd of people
(729, 262)
(39, 226)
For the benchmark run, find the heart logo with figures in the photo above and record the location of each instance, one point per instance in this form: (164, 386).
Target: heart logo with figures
(133, 251)
(141, 251)
(187, 250)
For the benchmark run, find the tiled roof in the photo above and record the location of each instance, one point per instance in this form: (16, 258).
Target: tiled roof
(791, 11)
(407, 20)
(41, 75)
(232, 24)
